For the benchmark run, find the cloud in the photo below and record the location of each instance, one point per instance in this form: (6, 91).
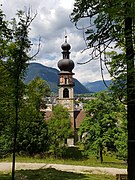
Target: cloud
(51, 24)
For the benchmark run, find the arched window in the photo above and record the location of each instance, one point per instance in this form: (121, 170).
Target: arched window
(66, 93)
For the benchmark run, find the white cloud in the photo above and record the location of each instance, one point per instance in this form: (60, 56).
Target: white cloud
(67, 4)
(52, 23)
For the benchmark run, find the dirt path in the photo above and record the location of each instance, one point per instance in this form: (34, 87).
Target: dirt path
(69, 168)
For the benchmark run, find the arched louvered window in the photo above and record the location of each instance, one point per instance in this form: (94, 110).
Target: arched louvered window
(66, 93)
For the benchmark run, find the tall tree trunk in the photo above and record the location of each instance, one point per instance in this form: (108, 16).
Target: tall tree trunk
(16, 125)
(130, 92)
(101, 153)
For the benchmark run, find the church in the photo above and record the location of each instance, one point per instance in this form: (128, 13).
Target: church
(66, 90)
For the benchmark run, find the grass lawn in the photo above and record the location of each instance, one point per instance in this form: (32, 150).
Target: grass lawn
(91, 161)
(74, 156)
(52, 174)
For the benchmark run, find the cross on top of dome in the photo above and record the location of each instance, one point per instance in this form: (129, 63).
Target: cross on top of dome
(65, 46)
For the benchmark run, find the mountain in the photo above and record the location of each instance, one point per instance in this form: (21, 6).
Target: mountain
(97, 86)
(51, 75)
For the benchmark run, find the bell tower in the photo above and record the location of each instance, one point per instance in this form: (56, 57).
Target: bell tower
(66, 83)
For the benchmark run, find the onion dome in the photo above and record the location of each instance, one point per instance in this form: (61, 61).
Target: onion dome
(66, 64)
(65, 46)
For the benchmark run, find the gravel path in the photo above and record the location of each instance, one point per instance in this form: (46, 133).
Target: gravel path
(69, 168)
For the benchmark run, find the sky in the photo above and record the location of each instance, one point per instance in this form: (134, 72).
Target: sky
(52, 23)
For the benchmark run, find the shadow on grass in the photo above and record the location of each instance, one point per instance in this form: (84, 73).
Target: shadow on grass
(74, 153)
(44, 174)
(5, 176)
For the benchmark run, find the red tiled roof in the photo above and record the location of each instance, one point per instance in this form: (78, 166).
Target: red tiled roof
(79, 117)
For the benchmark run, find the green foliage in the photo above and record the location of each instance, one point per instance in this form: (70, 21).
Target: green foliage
(18, 46)
(118, 72)
(19, 104)
(106, 16)
(100, 125)
(108, 27)
(59, 129)
(37, 90)
(122, 137)
(15, 46)
(32, 129)
(113, 21)
(7, 111)
(32, 133)
(74, 153)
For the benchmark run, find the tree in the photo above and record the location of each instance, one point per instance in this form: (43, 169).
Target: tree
(6, 112)
(15, 46)
(32, 135)
(5, 35)
(37, 91)
(101, 123)
(59, 129)
(113, 21)
(121, 137)
(33, 132)
(118, 71)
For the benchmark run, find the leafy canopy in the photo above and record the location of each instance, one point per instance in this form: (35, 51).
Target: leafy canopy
(103, 115)
(59, 128)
